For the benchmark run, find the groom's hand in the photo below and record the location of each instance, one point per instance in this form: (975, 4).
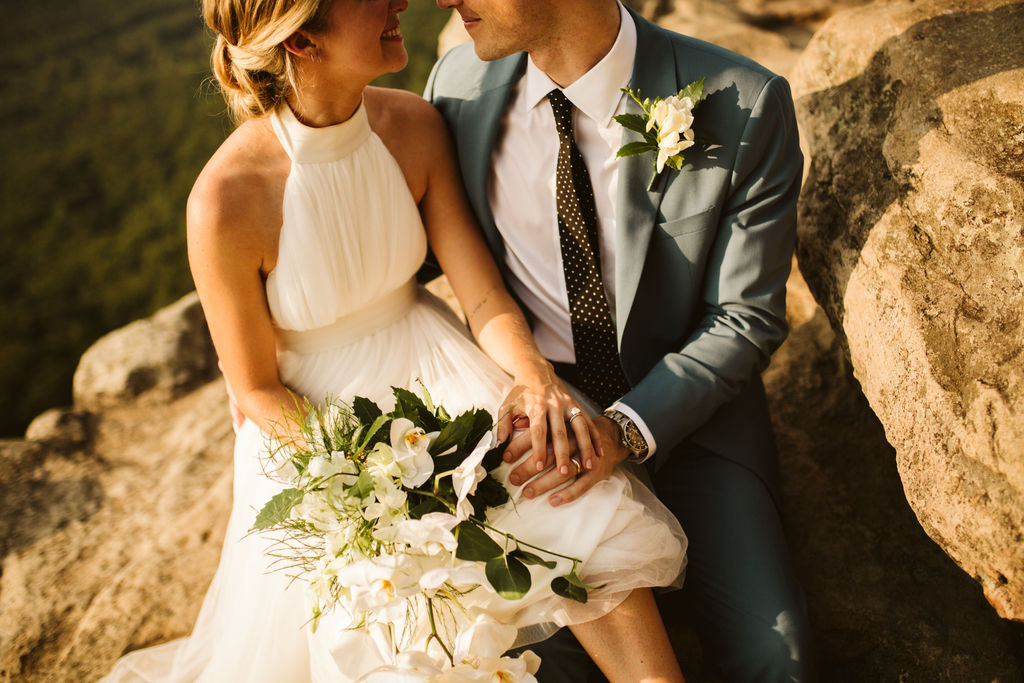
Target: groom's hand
(612, 453)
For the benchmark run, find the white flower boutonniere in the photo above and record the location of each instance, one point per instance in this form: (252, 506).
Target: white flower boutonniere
(666, 126)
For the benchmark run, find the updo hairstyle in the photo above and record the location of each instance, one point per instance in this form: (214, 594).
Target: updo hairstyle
(254, 70)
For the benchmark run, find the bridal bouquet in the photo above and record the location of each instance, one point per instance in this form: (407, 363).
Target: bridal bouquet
(385, 519)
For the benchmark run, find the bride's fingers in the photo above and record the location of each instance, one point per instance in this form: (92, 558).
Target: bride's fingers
(504, 424)
(559, 439)
(539, 438)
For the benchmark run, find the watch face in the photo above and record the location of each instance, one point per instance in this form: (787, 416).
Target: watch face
(634, 439)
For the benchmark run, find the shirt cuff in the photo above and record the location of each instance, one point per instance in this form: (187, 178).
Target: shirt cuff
(640, 424)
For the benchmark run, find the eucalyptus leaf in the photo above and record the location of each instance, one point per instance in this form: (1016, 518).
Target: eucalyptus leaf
(561, 585)
(277, 509)
(526, 557)
(474, 543)
(509, 577)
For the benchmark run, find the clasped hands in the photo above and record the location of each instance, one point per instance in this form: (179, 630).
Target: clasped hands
(563, 442)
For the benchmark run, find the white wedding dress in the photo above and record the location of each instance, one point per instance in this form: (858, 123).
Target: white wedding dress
(351, 321)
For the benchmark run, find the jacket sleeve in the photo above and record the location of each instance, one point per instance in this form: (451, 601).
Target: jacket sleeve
(744, 288)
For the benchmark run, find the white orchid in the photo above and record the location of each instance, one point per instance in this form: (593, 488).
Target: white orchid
(459, 575)
(388, 501)
(380, 584)
(468, 474)
(381, 462)
(409, 667)
(484, 637)
(429, 535)
(410, 444)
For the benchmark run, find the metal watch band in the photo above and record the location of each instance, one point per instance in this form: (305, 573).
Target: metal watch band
(630, 435)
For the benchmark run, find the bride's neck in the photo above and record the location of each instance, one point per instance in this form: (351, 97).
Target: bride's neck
(320, 107)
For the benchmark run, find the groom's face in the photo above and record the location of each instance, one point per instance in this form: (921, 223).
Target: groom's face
(502, 27)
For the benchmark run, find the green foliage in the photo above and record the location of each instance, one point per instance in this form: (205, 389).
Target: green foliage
(278, 508)
(474, 543)
(108, 116)
(509, 577)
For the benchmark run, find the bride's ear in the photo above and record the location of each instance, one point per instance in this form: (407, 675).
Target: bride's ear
(301, 44)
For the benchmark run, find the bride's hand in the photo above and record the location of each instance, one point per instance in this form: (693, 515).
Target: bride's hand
(542, 399)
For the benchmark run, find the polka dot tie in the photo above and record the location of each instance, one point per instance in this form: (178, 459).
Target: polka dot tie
(598, 372)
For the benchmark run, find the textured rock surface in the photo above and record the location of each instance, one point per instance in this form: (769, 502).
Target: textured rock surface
(912, 237)
(153, 359)
(110, 533)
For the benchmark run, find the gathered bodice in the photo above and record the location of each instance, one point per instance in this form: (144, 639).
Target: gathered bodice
(351, 231)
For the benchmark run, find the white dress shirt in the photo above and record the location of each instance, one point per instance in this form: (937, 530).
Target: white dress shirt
(522, 189)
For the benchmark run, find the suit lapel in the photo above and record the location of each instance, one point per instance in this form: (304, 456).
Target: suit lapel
(654, 73)
(479, 121)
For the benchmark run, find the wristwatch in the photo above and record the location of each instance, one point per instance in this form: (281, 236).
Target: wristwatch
(629, 435)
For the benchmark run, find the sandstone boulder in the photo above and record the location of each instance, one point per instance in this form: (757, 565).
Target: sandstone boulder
(154, 359)
(912, 239)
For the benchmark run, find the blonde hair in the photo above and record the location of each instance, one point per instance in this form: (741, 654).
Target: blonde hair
(252, 67)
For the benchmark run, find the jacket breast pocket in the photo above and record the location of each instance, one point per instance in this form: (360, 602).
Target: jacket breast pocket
(686, 225)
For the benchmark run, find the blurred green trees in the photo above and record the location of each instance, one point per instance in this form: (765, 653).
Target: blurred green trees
(107, 116)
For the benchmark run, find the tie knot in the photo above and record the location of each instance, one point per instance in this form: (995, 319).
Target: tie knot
(562, 109)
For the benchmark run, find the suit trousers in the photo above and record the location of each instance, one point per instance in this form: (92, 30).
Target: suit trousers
(740, 586)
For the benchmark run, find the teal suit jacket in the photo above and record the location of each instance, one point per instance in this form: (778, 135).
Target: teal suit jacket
(702, 258)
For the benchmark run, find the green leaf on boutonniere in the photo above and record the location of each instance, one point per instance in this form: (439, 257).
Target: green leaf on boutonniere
(633, 148)
(510, 577)
(695, 91)
(277, 509)
(633, 122)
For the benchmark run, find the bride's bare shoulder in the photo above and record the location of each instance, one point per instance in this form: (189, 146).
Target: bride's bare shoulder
(400, 114)
(412, 130)
(240, 188)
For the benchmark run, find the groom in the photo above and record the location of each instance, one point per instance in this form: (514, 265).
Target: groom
(662, 300)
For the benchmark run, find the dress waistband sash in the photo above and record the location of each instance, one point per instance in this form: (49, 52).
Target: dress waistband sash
(376, 315)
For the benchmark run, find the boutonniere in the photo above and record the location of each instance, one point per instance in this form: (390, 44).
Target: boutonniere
(666, 125)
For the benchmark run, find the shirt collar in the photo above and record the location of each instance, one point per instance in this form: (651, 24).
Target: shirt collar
(596, 93)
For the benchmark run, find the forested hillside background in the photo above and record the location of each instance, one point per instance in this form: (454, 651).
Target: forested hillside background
(107, 114)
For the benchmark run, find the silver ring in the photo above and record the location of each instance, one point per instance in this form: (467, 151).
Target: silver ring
(574, 412)
(579, 466)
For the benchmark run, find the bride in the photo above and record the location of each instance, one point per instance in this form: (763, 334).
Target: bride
(305, 231)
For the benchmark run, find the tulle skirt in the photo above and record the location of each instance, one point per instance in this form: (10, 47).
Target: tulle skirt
(254, 622)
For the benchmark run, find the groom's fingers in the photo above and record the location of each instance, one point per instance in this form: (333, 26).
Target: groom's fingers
(521, 443)
(582, 484)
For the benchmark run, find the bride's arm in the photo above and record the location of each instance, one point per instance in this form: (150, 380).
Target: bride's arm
(494, 317)
(229, 239)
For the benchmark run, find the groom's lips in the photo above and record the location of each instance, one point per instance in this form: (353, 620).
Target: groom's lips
(470, 22)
